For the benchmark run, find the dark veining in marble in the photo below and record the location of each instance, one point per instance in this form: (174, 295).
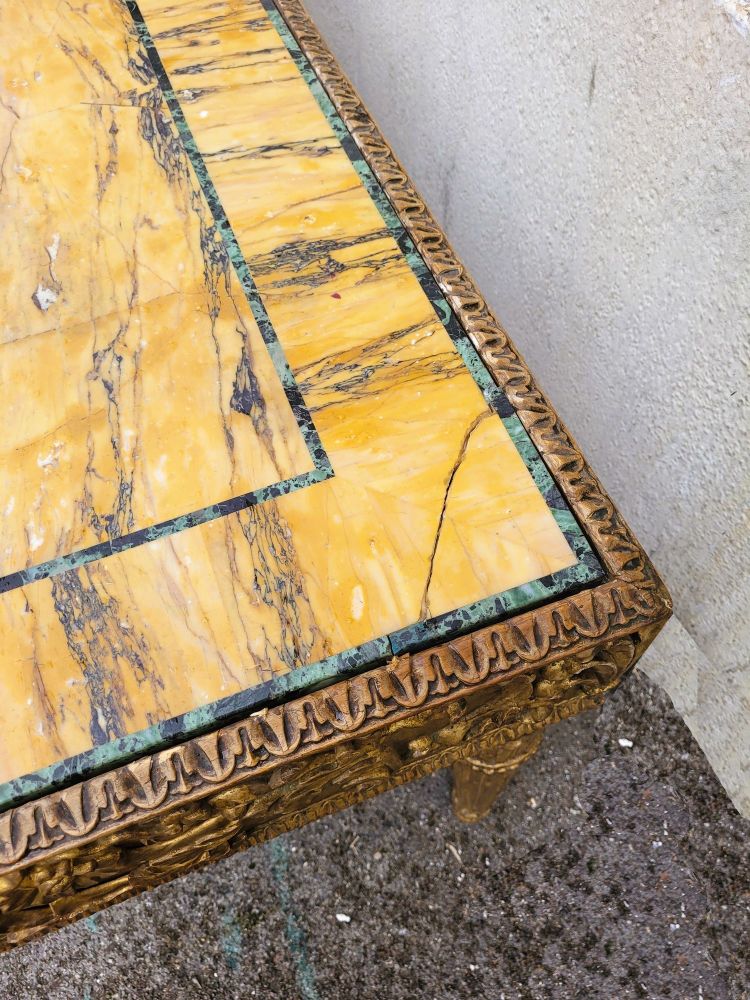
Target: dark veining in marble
(366, 371)
(97, 631)
(279, 583)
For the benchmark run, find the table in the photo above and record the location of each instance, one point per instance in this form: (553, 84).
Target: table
(287, 521)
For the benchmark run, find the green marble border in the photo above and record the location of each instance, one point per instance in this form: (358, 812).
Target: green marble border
(586, 571)
(191, 724)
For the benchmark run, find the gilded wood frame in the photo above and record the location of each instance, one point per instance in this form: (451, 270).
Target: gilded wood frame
(72, 852)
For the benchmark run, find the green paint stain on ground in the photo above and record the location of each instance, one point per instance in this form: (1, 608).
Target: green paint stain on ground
(231, 940)
(295, 935)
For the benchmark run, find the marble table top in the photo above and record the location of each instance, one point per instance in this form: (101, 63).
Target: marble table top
(247, 447)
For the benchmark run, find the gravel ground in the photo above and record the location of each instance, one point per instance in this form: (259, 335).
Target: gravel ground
(607, 871)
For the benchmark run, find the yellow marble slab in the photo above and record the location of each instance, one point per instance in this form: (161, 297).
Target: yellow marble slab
(128, 350)
(138, 387)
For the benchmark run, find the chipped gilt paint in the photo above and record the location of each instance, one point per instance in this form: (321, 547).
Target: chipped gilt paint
(247, 447)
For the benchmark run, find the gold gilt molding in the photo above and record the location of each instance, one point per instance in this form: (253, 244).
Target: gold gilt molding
(106, 838)
(332, 715)
(250, 801)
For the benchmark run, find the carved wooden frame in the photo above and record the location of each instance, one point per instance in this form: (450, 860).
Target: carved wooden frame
(72, 852)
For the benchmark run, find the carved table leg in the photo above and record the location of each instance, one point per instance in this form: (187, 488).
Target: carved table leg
(478, 780)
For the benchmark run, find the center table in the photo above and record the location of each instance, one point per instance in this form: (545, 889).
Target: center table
(285, 519)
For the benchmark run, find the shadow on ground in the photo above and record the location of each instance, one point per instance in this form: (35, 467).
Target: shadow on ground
(607, 871)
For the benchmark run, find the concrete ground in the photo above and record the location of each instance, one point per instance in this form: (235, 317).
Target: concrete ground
(608, 871)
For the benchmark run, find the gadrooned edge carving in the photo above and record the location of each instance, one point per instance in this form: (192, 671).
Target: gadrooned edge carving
(350, 708)
(633, 600)
(61, 886)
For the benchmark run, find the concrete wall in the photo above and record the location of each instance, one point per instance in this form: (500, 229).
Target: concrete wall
(591, 164)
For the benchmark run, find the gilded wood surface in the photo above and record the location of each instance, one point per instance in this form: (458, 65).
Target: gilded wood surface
(477, 781)
(73, 879)
(334, 714)
(112, 836)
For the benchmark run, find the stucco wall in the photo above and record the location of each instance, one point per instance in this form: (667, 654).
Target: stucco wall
(591, 164)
